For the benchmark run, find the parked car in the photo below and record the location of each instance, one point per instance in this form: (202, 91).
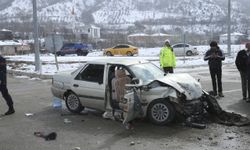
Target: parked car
(121, 49)
(81, 49)
(182, 49)
(151, 93)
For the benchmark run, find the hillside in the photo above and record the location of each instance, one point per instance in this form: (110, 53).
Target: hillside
(192, 16)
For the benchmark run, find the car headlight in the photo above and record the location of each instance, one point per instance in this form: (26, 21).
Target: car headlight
(58, 84)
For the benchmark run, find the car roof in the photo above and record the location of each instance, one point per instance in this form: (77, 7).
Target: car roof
(181, 43)
(124, 45)
(119, 61)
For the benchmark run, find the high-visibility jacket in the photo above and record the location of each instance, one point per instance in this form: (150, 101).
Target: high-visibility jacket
(167, 57)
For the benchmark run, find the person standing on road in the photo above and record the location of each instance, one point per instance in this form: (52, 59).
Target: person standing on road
(242, 63)
(167, 58)
(215, 57)
(3, 86)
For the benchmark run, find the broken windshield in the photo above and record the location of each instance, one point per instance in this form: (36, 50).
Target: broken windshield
(147, 72)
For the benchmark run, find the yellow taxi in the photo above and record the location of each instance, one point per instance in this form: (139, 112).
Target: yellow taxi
(121, 49)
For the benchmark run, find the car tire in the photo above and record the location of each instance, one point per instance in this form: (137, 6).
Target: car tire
(58, 53)
(189, 53)
(73, 103)
(109, 53)
(129, 54)
(161, 112)
(79, 53)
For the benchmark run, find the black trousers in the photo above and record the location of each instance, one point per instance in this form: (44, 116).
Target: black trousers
(245, 84)
(168, 69)
(6, 95)
(216, 78)
(248, 84)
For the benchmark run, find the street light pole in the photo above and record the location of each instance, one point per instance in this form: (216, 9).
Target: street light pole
(35, 35)
(229, 28)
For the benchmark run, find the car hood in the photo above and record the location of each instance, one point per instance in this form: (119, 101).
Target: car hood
(184, 83)
(63, 76)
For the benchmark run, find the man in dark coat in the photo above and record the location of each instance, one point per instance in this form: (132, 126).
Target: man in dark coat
(215, 57)
(242, 64)
(3, 86)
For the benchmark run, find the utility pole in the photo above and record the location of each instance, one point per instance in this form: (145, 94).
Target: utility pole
(35, 35)
(184, 43)
(229, 29)
(54, 48)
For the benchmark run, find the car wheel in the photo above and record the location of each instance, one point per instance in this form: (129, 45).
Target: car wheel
(189, 53)
(109, 54)
(85, 54)
(79, 53)
(129, 54)
(73, 103)
(161, 112)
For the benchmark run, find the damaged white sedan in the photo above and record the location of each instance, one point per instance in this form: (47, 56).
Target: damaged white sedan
(136, 88)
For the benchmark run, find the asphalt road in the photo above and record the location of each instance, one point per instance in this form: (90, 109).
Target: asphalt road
(90, 131)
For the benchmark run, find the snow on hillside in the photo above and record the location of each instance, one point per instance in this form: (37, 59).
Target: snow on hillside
(199, 14)
(125, 11)
(18, 7)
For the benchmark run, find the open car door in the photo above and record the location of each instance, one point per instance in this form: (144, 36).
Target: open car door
(132, 107)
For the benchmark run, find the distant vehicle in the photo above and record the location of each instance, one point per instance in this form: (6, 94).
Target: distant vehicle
(181, 49)
(81, 49)
(121, 49)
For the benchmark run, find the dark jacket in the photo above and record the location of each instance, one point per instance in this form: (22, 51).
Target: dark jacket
(215, 57)
(2, 70)
(241, 61)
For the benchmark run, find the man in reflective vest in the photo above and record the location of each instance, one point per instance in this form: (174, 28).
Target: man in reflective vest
(167, 58)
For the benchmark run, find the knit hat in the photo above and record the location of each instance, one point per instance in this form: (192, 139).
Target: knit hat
(167, 40)
(213, 44)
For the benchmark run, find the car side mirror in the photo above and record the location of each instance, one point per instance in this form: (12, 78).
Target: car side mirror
(135, 81)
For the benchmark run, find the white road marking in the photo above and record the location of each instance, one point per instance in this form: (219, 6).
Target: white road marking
(236, 90)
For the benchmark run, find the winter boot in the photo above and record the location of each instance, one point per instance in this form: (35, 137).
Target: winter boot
(221, 94)
(10, 111)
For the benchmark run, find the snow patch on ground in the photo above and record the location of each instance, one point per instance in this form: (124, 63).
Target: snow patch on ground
(70, 62)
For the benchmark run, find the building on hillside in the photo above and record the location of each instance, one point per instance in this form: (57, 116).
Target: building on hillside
(6, 34)
(236, 38)
(87, 32)
(10, 47)
(148, 40)
(248, 34)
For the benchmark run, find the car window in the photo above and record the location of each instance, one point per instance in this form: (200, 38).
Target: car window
(180, 45)
(125, 46)
(92, 73)
(177, 46)
(118, 46)
(68, 45)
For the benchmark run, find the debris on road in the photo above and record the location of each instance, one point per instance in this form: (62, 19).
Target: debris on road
(230, 137)
(66, 120)
(132, 143)
(48, 137)
(223, 117)
(29, 114)
(76, 148)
